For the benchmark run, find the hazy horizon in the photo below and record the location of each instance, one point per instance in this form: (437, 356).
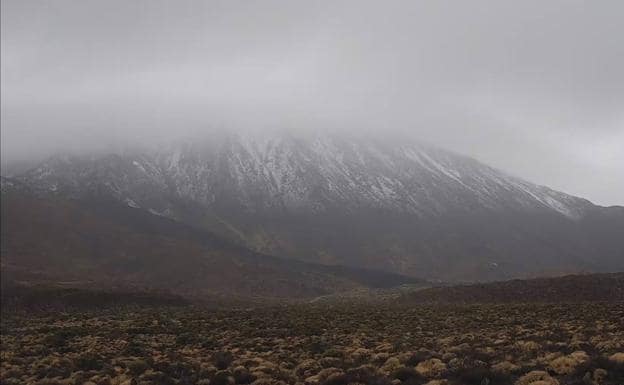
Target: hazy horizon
(535, 89)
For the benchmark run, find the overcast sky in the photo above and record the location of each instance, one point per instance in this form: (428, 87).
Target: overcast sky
(532, 87)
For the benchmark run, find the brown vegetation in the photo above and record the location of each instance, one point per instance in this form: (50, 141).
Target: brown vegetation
(530, 344)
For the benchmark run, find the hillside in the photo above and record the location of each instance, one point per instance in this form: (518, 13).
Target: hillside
(105, 244)
(571, 288)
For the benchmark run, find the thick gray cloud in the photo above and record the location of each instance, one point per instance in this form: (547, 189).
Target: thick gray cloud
(532, 87)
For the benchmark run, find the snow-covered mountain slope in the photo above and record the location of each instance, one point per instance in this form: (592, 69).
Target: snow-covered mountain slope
(396, 205)
(295, 174)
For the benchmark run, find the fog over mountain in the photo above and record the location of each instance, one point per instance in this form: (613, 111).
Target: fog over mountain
(397, 206)
(312, 192)
(534, 88)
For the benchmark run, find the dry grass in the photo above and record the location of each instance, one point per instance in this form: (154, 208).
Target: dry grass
(319, 344)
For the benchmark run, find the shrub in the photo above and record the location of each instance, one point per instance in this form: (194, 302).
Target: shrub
(222, 378)
(242, 375)
(481, 376)
(366, 374)
(137, 367)
(89, 361)
(417, 357)
(185, 339)
(407, 374)
(222, 359)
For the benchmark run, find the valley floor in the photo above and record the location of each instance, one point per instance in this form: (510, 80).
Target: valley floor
(319, 344)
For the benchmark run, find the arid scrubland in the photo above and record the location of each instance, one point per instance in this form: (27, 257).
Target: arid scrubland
(522, 344)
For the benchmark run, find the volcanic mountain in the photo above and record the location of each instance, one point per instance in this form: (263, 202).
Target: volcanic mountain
(382, 204)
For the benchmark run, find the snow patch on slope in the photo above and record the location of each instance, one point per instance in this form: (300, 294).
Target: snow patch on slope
(322, 173)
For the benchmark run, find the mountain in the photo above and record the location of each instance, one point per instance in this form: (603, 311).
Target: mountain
(104, 244)
(385, 204)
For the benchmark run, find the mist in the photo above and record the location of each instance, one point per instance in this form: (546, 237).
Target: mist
(534, 88)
